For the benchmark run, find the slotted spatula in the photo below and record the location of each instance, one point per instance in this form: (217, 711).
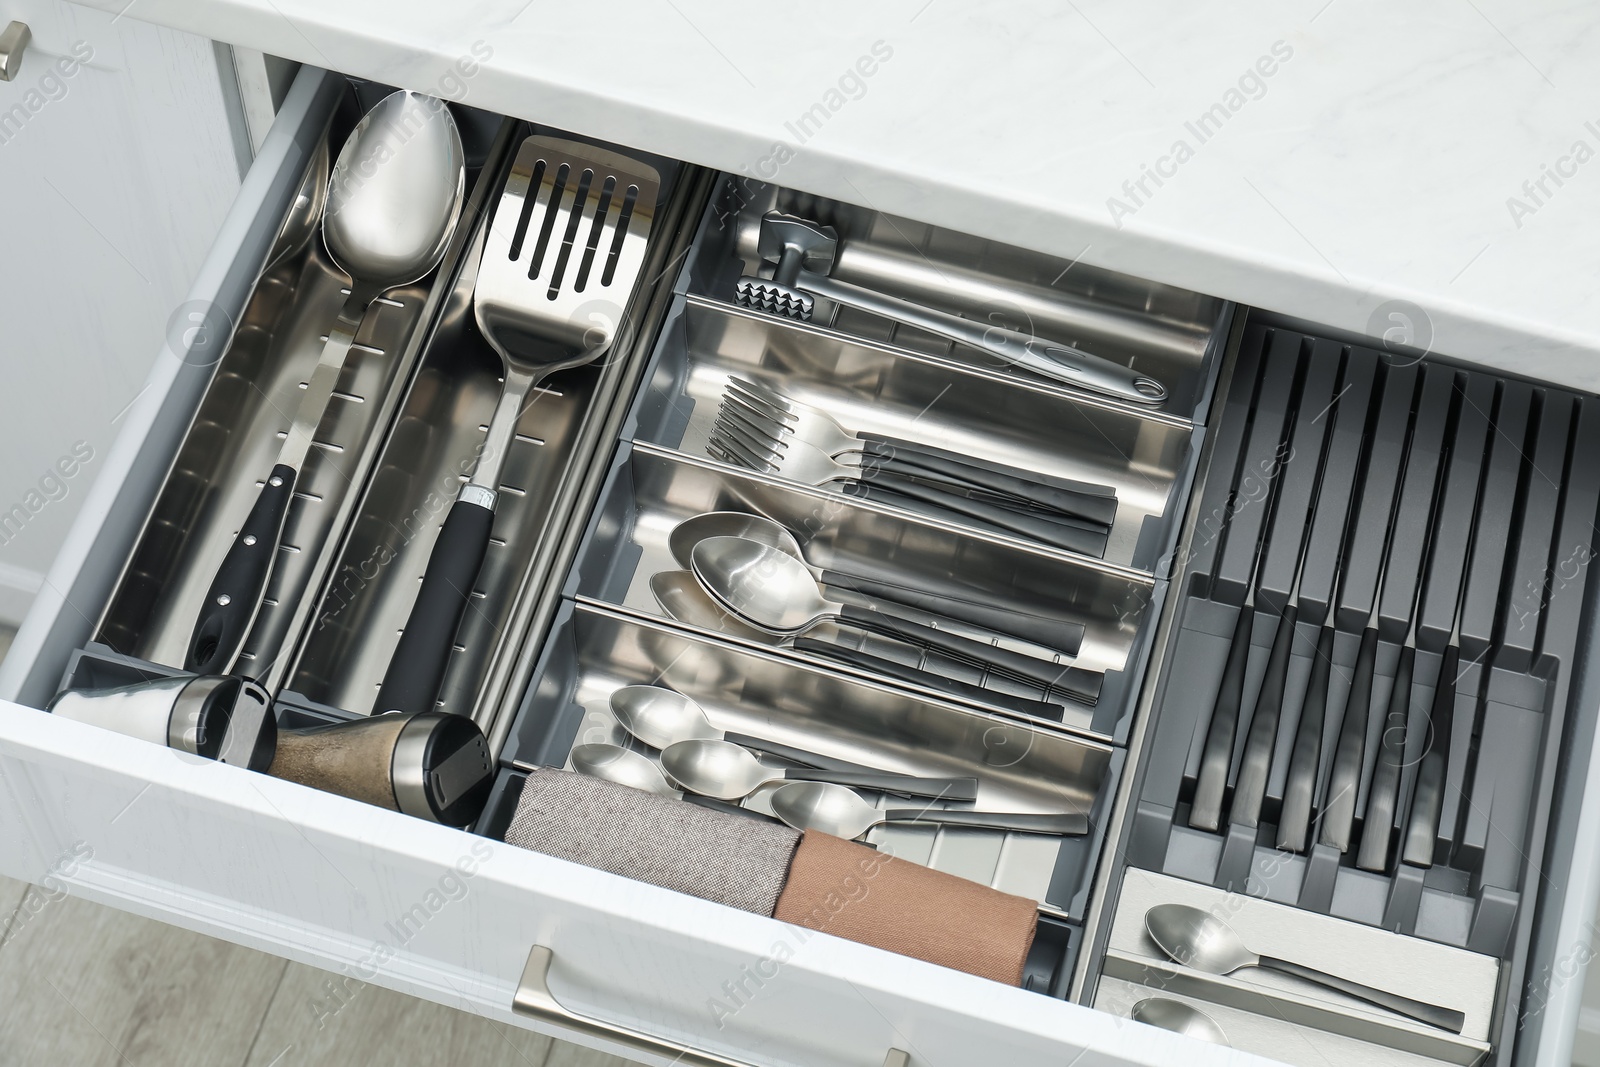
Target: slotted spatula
(560, 263)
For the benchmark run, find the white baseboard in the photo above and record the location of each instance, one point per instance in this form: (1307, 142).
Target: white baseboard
(18, 586)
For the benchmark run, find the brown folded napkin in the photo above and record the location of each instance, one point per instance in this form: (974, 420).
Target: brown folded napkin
(714, 855)
(851, 891)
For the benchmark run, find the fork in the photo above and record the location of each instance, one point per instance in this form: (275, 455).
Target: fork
(780, 418)
(737, 443)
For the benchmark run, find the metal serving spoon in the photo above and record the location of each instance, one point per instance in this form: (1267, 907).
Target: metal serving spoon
(725, 771)
(622, 766)
(393, 202)
(1198, 939)
(835, 810)
(1180, 1018)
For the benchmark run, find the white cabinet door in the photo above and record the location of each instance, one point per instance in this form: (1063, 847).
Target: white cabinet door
(117, 166)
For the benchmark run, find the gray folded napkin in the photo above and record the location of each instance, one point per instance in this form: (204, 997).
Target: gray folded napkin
(714, 855)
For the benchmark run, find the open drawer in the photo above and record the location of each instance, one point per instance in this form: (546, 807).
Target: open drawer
(513, 935)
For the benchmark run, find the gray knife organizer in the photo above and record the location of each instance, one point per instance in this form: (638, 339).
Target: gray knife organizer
(1446, 505)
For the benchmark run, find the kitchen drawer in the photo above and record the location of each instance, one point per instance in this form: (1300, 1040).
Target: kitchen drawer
(456, 917)
(436, 912)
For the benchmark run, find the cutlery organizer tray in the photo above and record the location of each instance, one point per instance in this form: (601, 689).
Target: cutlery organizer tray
(240, 424)
(1441, 506)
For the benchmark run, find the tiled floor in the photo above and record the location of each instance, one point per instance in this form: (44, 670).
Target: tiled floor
(88, 986)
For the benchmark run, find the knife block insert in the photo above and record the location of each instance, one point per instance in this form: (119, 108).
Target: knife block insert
(1448, 507)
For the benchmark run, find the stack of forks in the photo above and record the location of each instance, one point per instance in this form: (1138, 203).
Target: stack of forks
(759, 428)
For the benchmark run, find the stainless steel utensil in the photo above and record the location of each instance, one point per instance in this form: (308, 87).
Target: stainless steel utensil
(393, 200)
(683, 598)
(622, 766)
(776, 592)
(804, 252)
(725, 771)
(1198, 939)
(769, 423)
(1178, 1017)
(833, 809)
(973, 620)
(306, 211)
(661, 717)
(560, 264)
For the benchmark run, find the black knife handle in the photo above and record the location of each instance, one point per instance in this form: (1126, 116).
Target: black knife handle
(241, 581)
(1216, 759)
(1096, 503)
(1063, 637)
(417, 668)
(950, 687)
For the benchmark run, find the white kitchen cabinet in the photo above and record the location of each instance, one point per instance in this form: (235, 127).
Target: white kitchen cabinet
(326, 881)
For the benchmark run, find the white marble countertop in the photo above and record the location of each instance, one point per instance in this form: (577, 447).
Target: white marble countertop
(1393, 152)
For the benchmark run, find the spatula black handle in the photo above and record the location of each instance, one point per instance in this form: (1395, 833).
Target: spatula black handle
(416, 671)
(235, 595)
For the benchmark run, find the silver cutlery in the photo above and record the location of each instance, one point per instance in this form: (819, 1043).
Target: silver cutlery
(306, 211)
(833, 809)
(1198, 939)
(723, 770)
(393, 201)
(969, 618)
(1178, 1017)
(778, 421)
(776, 592)
(560, 264)
(804, 253)
(661, 717)
(737, 438)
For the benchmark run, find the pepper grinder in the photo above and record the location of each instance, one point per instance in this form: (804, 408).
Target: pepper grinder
(219, 717)
(428, 764)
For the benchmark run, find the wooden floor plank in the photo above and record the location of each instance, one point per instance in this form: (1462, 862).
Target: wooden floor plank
(94, 987)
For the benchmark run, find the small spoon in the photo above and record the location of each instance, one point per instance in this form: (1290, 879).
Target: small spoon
(624, 767)
(1180, 1018)
(725, 771)
(835, 810)
(1198, 939)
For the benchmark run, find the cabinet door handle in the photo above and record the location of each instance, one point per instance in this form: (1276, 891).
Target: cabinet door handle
(535, 1000)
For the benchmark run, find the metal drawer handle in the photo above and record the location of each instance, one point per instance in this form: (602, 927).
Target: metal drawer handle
(535, 1000)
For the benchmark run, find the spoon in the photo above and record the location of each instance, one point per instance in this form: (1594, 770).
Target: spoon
(835, 810)
(725, 771)
(681, 597)
(622, 766)
(1198, 939)
(661, 717)
(392, 203)
(305, 212)
(980, 619)
(1180, 1018)
(776, 592)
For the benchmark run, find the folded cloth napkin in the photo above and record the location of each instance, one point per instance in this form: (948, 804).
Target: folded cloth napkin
(850, 891)
(730, 859)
